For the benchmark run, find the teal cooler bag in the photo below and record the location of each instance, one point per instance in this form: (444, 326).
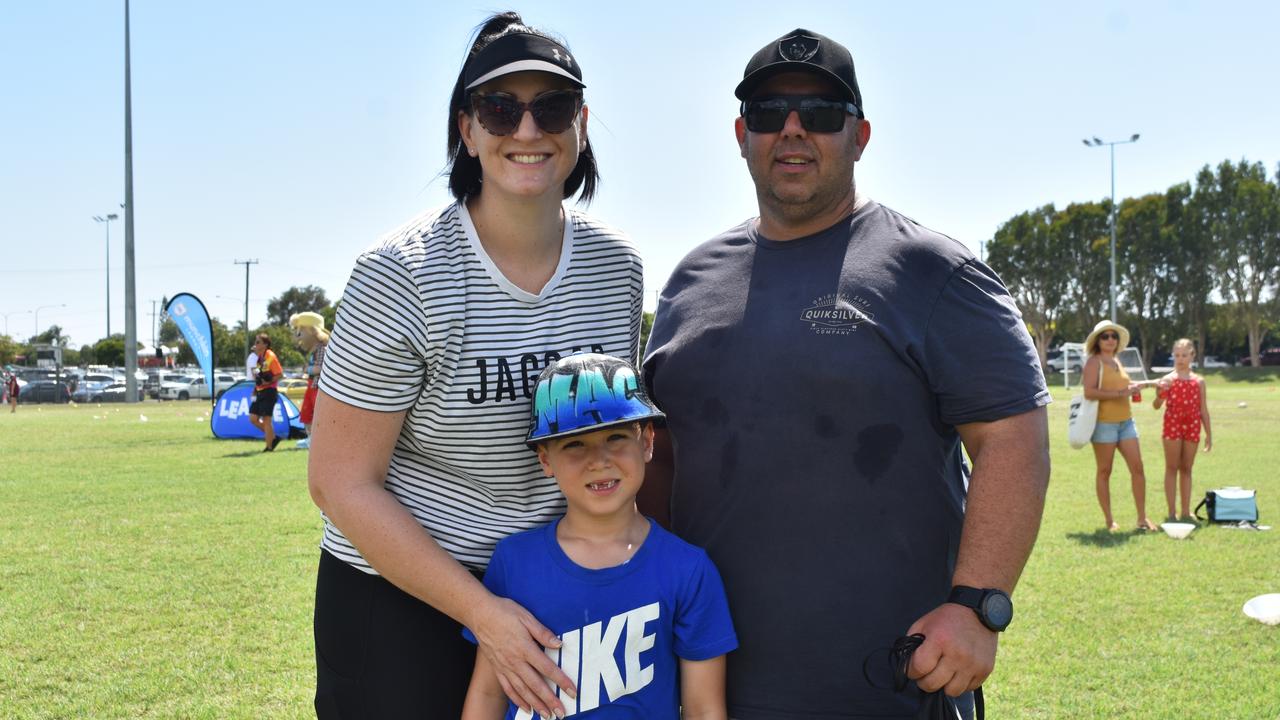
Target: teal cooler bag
(1229, 504)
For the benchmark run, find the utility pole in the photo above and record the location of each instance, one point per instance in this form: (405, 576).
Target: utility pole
(246, 263)
(153, 324)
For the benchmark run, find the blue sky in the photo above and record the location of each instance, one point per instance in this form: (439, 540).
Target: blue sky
(297, 132)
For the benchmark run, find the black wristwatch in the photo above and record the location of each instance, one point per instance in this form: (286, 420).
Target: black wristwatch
(994, 608)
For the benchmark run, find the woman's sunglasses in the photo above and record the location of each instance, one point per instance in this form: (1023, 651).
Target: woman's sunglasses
(817, 114)
(554, 112)
(1109, 336)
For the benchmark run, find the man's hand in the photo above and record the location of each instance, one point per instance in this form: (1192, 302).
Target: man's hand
(958, 652)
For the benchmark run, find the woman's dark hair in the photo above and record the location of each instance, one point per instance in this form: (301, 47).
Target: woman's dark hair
(265, 338)
(464, 170)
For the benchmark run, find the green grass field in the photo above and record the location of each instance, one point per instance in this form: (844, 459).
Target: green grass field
(150, 571)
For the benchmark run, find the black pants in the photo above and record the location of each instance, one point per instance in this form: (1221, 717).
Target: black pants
(382, 653)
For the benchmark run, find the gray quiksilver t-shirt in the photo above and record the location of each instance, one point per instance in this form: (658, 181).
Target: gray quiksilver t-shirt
(812, 390)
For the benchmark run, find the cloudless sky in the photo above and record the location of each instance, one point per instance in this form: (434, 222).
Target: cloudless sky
(295, 133)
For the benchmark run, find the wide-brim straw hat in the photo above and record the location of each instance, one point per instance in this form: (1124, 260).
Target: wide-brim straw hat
(1102, 327)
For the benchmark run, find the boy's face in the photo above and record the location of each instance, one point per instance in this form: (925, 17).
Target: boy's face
(599, 472)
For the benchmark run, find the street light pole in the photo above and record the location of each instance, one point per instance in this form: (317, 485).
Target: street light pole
(6, 319)
(44, 307)
(1095, 142)
(107, 220)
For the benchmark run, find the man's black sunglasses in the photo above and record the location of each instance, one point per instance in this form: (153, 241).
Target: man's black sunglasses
(817, 114)
(554, 111)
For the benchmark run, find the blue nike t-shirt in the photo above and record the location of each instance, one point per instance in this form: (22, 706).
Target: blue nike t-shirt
(623, 628)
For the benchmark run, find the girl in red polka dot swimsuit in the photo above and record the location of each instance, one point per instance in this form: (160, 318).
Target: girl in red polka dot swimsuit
(1188, 409)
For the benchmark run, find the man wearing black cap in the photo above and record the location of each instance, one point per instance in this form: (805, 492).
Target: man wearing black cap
(821, 367)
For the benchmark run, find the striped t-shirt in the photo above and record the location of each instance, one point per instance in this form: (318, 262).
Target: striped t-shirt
(428, 324)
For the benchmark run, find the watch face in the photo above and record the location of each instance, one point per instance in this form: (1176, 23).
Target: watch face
(997, 609)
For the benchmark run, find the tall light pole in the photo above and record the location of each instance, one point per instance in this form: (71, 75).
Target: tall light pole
(6, 319)
(45, 307)
(107, 220)
(1095, 142)
(130, 299)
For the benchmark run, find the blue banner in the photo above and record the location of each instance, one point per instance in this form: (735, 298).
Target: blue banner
(230, 419)
(188, 313)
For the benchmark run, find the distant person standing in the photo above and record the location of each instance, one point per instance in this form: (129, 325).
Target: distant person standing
(1106, 381)
(250, 365)
(308, 330)
(1186, 401)
(11, 388)
(266, 376)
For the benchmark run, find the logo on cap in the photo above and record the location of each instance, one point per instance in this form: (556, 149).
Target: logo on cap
(563, 58)
(585, 392)
(798, 48)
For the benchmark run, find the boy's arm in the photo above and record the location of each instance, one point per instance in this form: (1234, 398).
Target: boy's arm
(485, 699)
(701, 689)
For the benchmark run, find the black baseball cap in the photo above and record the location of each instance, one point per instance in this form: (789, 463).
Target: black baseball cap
(802, 51)
(520, 51)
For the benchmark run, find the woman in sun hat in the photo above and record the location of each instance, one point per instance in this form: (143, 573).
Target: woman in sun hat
(1115, 428)
(419, 463)
(308, 330)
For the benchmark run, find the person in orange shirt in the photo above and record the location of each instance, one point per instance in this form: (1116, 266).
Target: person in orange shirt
(266, 375)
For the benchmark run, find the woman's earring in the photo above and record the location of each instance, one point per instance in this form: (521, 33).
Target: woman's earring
(471, 151)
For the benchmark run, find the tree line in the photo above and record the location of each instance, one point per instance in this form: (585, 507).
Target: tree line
(1200, 260)
(228, 341)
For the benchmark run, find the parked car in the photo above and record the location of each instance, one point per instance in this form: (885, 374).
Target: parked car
(35, 375)
(115, 392)
(1057, 362)
(293, 388)
(1270, 356)
(44, 391)
(86, 389)
(1211, 361)
(157, 379)
(196, 387)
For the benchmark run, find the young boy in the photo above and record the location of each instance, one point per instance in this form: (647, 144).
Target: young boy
(634, 606)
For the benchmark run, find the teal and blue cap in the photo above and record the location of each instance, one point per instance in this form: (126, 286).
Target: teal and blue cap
(585, 392)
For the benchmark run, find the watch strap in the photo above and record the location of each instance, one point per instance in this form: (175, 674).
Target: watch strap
(970, 597)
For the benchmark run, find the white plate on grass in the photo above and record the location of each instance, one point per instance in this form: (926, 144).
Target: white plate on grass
(1264, 608)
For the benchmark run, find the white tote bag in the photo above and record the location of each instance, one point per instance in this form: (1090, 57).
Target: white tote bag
(1082, 417)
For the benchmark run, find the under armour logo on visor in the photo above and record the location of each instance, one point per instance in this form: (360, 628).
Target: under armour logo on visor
(798, 48)
(561, 57)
